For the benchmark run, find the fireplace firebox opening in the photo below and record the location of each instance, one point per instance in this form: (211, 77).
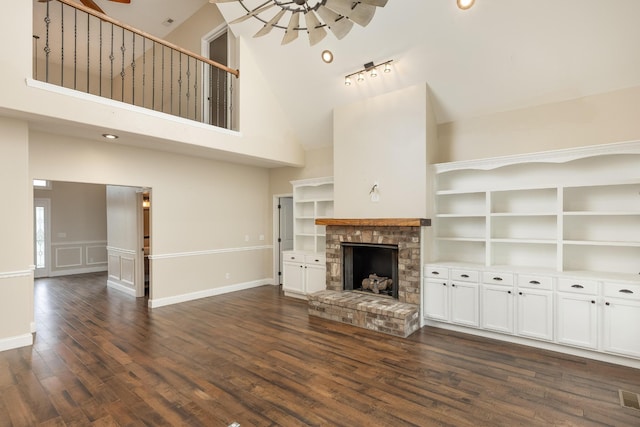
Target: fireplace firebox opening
(370, 268)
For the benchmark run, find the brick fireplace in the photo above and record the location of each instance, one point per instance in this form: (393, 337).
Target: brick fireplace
(396, 316)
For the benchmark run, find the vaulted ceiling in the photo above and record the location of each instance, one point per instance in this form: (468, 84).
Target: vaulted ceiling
(499, 55)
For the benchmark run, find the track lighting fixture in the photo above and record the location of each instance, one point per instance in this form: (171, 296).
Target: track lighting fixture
(370, 68)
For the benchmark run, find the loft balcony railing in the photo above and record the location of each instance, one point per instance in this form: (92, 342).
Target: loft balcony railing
(78, 48)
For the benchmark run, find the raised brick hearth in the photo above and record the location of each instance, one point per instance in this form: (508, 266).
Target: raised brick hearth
(398, 317)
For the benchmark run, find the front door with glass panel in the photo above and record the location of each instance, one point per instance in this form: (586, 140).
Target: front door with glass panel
(41, 234)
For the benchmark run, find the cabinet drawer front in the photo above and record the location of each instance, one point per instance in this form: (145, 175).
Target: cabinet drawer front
(436, 271)
(622, 290)
(315, 260)
(535, 282)
(497, 278)
(580, 286)
(465, 275)
(292, 257)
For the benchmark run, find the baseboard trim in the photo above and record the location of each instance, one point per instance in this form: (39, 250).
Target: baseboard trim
(16, 342)
(161, 302)
(121, 288)
(546, 345)
(73, 271)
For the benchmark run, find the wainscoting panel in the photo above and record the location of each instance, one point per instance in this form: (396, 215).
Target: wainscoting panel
(122, 270)
(96, 255)
(78, 257)
(70, 256)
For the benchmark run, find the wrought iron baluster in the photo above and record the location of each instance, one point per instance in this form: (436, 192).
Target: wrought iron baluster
(230, 78)
(133, 70)
(195, 92)
(171, 84)
(88, 50)
(75, 48)
(162, 85)
(62, 45)
(122, 73)
(144, 68)
(153, 78)
(217, 97)
(180, 84)
(47, 49)
(111, 58)
(100, 59)
(188, 94)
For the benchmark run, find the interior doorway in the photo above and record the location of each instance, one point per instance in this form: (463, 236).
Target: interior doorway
(219, 45)
(282, 231)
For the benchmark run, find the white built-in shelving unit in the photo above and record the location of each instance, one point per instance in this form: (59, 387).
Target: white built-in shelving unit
(567, 211)
(546, 245)
(304, 268)
(312, 199)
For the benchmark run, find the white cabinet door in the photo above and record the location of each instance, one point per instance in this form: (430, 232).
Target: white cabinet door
(577, 320)
(497, 308)
(293, 277)
(535, 314)
(621, 320)
(436, 300)
(315, 278)
(464, 303)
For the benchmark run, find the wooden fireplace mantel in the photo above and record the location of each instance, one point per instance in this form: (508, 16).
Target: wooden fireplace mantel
(376, 222)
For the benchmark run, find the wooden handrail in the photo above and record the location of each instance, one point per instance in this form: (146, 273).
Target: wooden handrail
(106, 18)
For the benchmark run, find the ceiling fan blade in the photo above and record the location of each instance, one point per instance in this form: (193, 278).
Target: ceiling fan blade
(291, 34)
(122, 1)
(314, 28)
(221, 1)
(269, 25)
(361, 14)
(91, 4)
(338, 24)
(254, 12)
(377, 3)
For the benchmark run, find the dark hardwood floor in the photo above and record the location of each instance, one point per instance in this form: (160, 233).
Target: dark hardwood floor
(102, 358)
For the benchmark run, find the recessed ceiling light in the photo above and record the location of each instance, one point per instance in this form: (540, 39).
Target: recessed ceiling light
(110, 136)
(327, 56)
(465, 4)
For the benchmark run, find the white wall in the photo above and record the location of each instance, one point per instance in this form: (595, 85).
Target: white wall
(78, 227)
(123, 238)
(384, 140)
(598, 119)
(16, 235)
(207, 216)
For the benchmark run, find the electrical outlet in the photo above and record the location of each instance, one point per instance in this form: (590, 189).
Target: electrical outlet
(227, 276)
(246, 237)
(262, 237)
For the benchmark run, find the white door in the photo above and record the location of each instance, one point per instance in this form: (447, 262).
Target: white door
(535, 314)
(436, 300)
(464, 304)
(42, 236)
(497, 308)
(285, 237)
(577, 317)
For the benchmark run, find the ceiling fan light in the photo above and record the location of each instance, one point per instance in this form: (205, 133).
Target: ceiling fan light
(465, 4)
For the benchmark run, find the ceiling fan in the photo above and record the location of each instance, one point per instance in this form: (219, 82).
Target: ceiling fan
(337, 15)
(92, 4)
